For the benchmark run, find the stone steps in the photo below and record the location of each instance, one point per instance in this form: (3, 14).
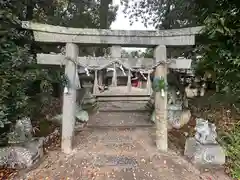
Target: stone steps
(124, 113)
(122, 97)
(111, 99)
(120, 119)
(123, 106)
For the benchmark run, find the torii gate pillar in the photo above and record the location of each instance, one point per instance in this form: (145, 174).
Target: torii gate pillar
(160, 54)
(69, 99)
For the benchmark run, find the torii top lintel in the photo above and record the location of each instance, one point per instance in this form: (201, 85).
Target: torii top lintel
(136, 38)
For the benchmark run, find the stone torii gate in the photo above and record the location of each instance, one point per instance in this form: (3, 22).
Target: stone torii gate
(117, 39)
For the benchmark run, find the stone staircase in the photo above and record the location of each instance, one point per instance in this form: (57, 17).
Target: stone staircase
(122, 97)
(121, 111)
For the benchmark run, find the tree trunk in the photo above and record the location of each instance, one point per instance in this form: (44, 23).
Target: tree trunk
(103, 13)
(30, 7)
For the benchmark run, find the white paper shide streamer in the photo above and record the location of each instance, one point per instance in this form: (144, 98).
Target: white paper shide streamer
(77, 81)
(162, 93)
(143, 75)
(65, 90)
(121, 67)
(87, 71)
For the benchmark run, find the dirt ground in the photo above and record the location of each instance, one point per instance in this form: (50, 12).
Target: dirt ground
(113, 154)
(121, 154)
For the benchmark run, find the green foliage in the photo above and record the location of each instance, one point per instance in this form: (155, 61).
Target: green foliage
(18, 71)
(14, 58)
(148, 53)
(163, 14)
(221, 50)
(132, 54)
(18, 64)
(77, 14)
(231, 142)
(170, 14)
(159, 84)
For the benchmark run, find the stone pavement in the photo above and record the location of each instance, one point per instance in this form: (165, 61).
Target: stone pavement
(114, 154)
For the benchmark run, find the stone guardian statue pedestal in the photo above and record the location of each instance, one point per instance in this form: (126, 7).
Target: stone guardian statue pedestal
(203, 149)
